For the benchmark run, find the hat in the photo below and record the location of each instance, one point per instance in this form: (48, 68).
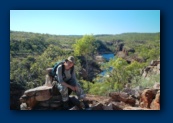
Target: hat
(71, 59)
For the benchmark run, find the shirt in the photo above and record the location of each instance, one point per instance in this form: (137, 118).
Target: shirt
(67, 74)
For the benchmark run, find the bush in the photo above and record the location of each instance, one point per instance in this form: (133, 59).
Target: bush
(98, 88)
(147, 82)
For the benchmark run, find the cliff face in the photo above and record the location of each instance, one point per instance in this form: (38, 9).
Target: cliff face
(124, 52)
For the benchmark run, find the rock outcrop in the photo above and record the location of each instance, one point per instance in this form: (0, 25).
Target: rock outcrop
(32, 96)
(153, 68)
(155, 104)
(124, 97)
(149, 100)
(45, 98)
(147, 97)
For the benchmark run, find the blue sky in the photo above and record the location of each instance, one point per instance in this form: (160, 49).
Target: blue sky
(81, 22)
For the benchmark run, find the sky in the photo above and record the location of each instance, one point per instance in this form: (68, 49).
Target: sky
(82, 22)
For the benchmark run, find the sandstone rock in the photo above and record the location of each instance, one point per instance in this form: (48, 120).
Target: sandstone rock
(156, 85)
(115, 96)
(148, 68)
(135, 92)
(41, 93)
(144, 74)
(146, 98)
(158, 66)
(158, 72)
(53, 103)
(118, 105)
(23, 106)
(154, 68)
(108, 107)
(155, 105)
(94, 99)
(48, 78)
(154, 63)
(32, 96)
(124, 97)
(98, 106)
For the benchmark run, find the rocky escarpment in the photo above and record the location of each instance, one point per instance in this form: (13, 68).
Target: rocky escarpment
(124, 52)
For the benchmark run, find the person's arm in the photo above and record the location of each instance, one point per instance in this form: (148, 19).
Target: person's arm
(59, 77)
(74, 76)
(75, 79)
(69, 86)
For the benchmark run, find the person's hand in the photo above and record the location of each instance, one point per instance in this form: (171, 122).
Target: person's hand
(74, 88)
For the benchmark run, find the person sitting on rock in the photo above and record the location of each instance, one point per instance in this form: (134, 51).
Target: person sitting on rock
(67, 82)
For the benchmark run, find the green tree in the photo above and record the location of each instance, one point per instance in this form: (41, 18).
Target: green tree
(134, 70)
(119, 75)
(85, 47)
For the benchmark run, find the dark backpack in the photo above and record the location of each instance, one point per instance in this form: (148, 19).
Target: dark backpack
(53, 72)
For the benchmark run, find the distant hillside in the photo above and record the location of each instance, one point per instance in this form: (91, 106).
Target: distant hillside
(18, 35)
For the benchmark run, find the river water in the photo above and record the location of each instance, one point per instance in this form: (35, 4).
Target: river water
(107, 57)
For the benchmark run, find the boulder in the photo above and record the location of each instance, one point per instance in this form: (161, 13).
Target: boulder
(23, 106)
(98, 106)
(135, 92)
(124, 97)
(156, 85)
(32, 96)
(55, 102)
(154, 63)
(147, 97)
(158, 66)
(155, 105)
(108, 107)
(118, 105)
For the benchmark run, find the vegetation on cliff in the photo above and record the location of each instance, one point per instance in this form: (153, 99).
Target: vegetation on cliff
(32, 53)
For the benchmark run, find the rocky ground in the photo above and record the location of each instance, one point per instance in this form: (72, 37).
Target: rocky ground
(128, 99)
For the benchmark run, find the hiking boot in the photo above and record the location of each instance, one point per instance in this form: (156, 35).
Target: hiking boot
(65, 105)
(86, 104)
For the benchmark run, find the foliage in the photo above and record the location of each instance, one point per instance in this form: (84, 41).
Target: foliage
(32, 53)
(97, 88)
(146, 82)
(122, 72)
(85, 47)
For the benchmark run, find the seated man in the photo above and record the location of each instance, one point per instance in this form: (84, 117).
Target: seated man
(66, 78)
